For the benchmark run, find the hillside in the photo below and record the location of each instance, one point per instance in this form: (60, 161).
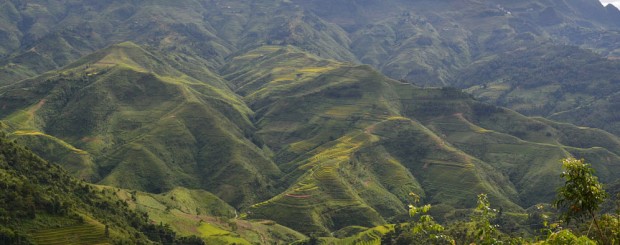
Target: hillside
(39, 36)
(42, 204)
(428, 43)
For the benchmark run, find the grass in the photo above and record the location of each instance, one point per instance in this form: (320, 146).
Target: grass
(318, 140)
(131, 102)
(207, 230)
(200, 213)
(353, 153)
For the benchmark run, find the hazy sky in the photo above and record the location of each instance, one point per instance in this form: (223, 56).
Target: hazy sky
(614, 2)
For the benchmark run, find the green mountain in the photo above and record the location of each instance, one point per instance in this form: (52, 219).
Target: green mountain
(293, 135)
(429, 42)
(126, 117)
(198, 213)
(259, 121)
(425, 42)
(43, 204)
(39, 36)
(355, 143)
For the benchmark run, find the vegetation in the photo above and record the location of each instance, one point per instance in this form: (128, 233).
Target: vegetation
(483, 228)
(581, 194)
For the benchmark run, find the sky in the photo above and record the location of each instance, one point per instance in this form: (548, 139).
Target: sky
(614, 2)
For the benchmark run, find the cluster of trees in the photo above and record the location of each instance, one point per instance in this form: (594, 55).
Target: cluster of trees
(578, 200)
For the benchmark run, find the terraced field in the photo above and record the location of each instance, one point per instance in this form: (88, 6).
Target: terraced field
(87, 234)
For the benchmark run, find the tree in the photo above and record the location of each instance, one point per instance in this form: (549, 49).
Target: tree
(582, 194)
(484, 231)
(424, 231)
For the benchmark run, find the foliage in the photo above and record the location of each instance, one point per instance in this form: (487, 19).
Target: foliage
(582, 193)
(423, 231)
(483, 231)
(330, 143)
(316, 139)
(565, 236)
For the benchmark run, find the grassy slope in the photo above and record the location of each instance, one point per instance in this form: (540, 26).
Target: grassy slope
(426, 42)
(200, 213)
(144, 124)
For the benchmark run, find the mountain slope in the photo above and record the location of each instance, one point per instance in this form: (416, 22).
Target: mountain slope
(561, 83)
(353, 143)
(284, 133)
(41, 203)
(201, 214)
(137, 122)
(428, 42)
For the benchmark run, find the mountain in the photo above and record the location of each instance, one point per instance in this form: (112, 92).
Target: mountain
(39, 36)
(425, 42)
(126, 117)
(259, 121)
(283, 133)
(201, 214)
(428, 43)
(356, 143)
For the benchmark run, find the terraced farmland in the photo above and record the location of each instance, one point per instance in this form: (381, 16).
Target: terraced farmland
(87, 234)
